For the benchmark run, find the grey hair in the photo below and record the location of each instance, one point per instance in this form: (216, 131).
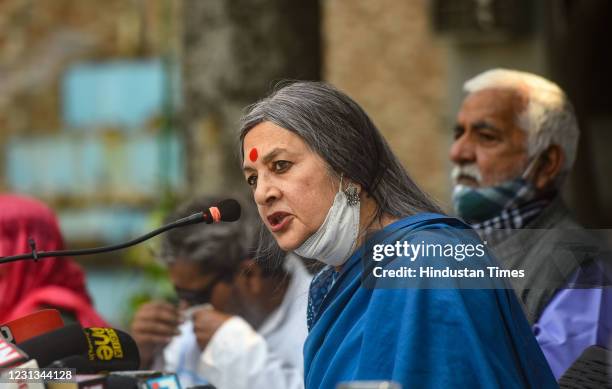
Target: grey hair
(549, 117)
(219, 248)
(338, 129)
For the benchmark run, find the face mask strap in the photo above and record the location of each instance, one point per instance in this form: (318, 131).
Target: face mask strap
(351, 192)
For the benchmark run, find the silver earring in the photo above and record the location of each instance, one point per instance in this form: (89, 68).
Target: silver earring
(352, 195)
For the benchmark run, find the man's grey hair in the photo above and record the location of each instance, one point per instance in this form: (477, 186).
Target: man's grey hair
(219, 248)
(548, 119)
(338, 129)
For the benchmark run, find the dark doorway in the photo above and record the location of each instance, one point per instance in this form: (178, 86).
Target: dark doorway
(580, 53)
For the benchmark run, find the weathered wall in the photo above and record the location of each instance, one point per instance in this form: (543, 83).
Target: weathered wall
(234, 53)
(383, 54)
(40, 40)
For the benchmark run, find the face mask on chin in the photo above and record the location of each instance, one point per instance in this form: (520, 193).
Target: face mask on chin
(477, 204)
(336, 239)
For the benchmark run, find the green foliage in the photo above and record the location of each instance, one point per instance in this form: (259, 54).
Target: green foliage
(144, 257)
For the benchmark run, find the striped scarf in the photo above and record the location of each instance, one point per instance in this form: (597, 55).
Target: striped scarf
(500, 227)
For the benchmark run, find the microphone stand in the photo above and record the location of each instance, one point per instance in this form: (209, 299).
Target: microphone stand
(36, 255)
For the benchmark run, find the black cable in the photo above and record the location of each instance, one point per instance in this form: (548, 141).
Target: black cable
(36, 255)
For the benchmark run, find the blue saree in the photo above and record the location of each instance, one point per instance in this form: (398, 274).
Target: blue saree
(419, 337)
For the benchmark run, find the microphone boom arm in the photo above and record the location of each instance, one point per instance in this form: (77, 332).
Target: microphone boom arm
(35, 255)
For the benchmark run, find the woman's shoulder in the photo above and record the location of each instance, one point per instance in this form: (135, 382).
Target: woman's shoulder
(431, 220)
(425, 223)
(421, 228)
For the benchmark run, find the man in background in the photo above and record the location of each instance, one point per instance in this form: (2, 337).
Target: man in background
(514, 144)
(240, 323)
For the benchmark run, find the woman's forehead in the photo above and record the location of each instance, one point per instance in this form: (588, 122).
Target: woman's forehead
(267, 137)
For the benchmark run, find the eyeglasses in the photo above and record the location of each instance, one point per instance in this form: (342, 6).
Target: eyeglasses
(202, 296)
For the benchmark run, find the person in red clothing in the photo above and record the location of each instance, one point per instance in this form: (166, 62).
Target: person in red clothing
(27, 286)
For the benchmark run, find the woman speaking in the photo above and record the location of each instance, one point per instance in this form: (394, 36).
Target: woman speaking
(327, 185)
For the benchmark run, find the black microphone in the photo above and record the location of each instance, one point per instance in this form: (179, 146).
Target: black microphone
(78, 362)
(108, 350)
(225, 211)
(57, 344)
(230, 210)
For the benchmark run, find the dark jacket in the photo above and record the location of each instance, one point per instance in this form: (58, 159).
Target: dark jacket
(549, 249)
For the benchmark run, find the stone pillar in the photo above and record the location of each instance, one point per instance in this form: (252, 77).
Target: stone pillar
(234, 52)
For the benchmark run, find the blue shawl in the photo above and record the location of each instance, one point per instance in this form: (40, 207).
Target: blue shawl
(421, 338)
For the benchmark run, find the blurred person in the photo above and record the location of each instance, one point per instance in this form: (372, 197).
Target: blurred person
(27, 285)
(240, 323)
(327, 185)
(515, 143)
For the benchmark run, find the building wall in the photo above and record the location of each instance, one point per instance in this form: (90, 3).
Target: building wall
(384, 55)
(39, 41)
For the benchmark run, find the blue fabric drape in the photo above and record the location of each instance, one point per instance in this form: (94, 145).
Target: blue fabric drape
(421, 338)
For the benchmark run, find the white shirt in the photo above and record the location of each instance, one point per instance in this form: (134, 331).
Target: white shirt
(239, 357)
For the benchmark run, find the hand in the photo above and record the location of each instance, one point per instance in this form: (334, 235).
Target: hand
(153, 326)
(206, 322)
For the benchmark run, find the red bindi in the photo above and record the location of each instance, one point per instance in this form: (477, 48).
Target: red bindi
(253, 155)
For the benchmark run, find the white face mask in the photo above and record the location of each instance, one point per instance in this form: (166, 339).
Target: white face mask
(335, 240)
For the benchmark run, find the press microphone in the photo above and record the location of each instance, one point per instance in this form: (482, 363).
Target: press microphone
(225, 211)
(78, 362)
(11, 355)
(57, 344)
(29, 326)
(111, 349)
(108, 350)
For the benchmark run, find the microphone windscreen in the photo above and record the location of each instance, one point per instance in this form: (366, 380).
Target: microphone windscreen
(78, 362)
(29, 326)
(57, 344)
(110, 349)
(230, 210)
(121, 382)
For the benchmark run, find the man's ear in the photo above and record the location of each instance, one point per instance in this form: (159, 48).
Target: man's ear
(249, 275)
(549, 167)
